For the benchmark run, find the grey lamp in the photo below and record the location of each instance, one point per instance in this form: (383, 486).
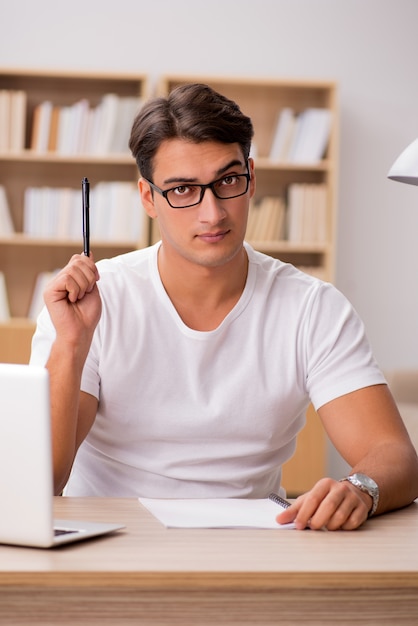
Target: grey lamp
(405, 168)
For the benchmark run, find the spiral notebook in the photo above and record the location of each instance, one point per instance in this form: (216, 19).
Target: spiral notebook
(218, 512)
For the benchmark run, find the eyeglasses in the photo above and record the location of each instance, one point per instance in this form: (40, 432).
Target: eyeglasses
(225, 188)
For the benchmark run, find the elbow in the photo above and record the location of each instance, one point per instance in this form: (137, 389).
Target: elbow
(61, 474)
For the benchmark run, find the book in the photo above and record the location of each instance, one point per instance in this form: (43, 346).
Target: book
(4, 301)
(128, 107)
(5, 103)
(18, 106)
(72, 127)
(41, 126)
(108, 112)
(53, 129)
(6, 223)
(275, 228)
(283, 135)
(307, 213)
(313, 127)
(252, 216)
(261, 228)
(294, 216)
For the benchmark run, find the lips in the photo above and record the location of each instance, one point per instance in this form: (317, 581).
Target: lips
(213, 237)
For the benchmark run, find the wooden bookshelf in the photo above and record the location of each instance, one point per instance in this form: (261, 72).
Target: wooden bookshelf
(23, 257)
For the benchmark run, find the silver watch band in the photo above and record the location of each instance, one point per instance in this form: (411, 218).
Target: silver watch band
(366, 484)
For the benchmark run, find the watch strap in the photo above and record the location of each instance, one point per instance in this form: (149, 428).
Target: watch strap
(366, 484)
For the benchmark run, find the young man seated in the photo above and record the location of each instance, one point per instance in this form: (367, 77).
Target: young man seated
(185, 369)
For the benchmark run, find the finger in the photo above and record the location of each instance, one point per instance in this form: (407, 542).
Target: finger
(73, 282)
(341, 508)
(356, 519)
(314, 508)
(82, 257)
(289, 515)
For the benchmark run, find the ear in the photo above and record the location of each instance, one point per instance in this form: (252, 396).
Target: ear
(252, 172)
(147, 197)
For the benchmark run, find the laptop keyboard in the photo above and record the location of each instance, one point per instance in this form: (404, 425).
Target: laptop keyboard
(63, 531)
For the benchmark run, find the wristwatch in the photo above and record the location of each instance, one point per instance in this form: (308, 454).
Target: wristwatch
(366, 484)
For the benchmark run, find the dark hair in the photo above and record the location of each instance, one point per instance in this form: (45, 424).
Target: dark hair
(194, 112)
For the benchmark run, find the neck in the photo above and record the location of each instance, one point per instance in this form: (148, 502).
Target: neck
(203, 295)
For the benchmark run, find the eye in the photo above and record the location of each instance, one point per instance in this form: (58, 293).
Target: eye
(182, 190)
(229, 180)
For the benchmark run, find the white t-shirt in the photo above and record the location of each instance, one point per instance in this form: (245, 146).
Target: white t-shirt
(184, 413)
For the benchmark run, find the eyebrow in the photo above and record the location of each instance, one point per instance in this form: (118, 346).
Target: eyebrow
(222, 170)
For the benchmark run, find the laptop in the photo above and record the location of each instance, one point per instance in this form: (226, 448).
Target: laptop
(26, 475)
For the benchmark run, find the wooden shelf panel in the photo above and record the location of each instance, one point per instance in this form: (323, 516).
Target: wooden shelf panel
(31, 156)
(15, 340)
(19, 239)
(264, 163)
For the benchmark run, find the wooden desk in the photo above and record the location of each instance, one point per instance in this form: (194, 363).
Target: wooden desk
(151, 575)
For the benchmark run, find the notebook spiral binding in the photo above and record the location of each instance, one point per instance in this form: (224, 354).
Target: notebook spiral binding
(279, 500)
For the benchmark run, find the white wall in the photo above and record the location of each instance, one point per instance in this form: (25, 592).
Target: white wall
(370, 47)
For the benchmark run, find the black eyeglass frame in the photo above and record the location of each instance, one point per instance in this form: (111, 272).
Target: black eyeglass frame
(211, 186)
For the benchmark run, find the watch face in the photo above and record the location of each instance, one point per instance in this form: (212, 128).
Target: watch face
(366, 481)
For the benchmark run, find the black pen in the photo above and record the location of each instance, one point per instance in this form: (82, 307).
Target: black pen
(85, 188)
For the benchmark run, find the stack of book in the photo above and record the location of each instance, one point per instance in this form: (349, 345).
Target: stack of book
(301, 217)
(80, 129)
(307, 213)
(266, 219)
(301, 138)
(13, 104)
(116, 213)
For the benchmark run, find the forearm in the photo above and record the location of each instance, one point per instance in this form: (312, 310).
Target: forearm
(394, 467)
(65, 366)
(74, 305)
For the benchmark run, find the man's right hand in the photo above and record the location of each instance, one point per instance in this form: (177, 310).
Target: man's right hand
(73, 300)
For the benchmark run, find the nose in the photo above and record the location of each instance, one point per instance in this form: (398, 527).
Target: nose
(211, 210)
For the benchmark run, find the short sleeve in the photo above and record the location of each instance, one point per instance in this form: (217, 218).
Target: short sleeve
(339, 355)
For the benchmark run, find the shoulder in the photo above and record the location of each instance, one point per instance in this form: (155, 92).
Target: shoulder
(292, 287)
(133, 259)
(137, 261)
(285, 275)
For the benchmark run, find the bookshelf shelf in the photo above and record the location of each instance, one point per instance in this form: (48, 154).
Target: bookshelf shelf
(27, 241)
(267, 164)
(30, 156)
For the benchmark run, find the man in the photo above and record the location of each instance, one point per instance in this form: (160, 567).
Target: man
(186, 370)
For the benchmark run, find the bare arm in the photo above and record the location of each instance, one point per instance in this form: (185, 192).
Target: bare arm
(74, 304)
(367, 430)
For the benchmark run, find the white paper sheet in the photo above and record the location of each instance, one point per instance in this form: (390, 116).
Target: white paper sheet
(216, 513)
